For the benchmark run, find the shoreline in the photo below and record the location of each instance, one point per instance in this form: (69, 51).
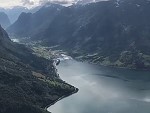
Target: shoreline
(62, 97)
(111, 66)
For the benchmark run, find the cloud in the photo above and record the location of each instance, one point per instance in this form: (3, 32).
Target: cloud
(56, 1)
(61, 2)
(68, 1)
(84, 1)
(27, 2)
(31, 3)
(88, 1)
(9, 3)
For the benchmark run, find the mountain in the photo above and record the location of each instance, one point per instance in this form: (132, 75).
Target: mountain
(31, 23)
(13, 13)
(4, 20)
(27, 83)
(111, 33)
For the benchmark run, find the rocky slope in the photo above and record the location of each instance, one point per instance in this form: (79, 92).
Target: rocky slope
(27, 83)
(4, 20)
(111, 33)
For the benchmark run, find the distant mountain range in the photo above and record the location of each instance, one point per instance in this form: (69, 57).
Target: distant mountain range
(111, 33)
(27, 22)
(27, 81)
(4, 20)
(13, 13)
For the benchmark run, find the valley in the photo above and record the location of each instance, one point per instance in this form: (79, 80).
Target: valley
(110, 33)
(70, 56)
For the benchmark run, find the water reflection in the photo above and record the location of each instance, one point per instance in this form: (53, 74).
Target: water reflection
(104, 90)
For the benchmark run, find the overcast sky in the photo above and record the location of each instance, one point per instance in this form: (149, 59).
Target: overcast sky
(31, 3)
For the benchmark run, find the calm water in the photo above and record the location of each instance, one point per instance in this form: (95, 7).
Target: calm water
(103, 90)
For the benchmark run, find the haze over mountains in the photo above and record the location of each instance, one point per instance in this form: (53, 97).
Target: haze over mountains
(13, 13)
(115, 32)
(109, 33)
(39, 20)
(4, 20)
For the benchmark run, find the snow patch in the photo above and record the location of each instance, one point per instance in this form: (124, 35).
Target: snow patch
(15, 40)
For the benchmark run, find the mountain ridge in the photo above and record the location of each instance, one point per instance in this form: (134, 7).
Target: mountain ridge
(117, 31)
(39, 20)
(27, 83)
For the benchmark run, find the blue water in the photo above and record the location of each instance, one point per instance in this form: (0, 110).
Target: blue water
(103, 90)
